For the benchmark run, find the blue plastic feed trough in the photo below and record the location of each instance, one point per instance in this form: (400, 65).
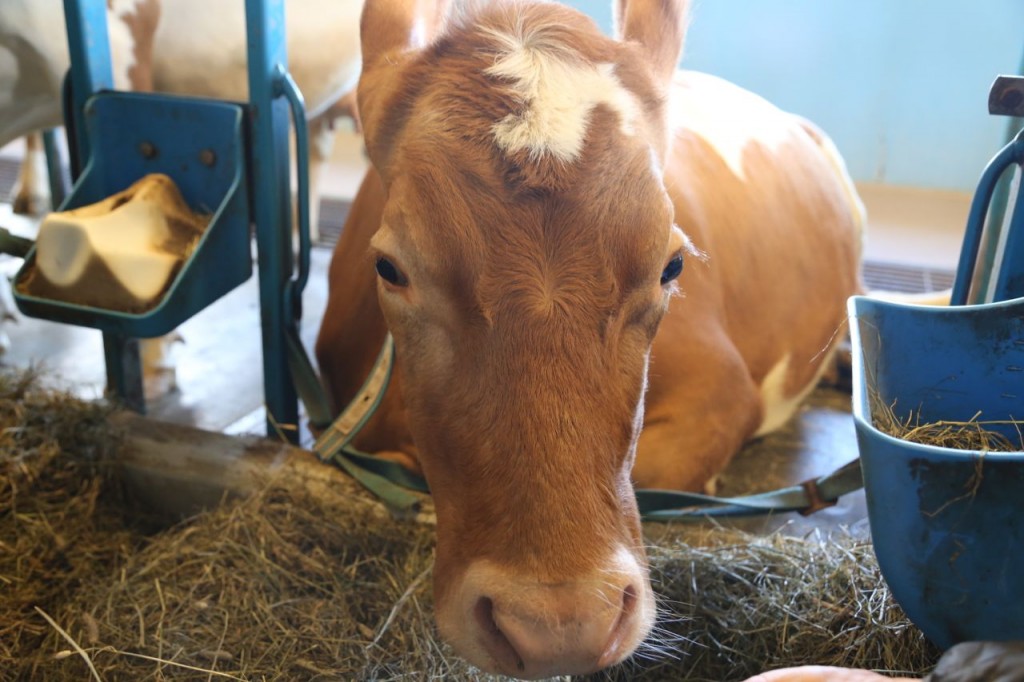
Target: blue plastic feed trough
(947, 525)
(200, 145)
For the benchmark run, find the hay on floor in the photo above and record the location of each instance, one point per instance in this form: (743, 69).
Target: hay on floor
(284, 585)
(742, 604)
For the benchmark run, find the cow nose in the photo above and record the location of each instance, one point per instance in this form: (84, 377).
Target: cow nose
(577, 627)
(568, 643)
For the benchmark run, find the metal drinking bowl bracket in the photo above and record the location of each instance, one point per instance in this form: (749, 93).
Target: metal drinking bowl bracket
(201, 145)
(228, 159)
(948, 524)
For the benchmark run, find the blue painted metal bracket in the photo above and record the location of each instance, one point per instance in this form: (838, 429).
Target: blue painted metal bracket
(201, 144)
(1005, 281)
(271, 90)
(1006, 97)
(285, 85)
(304, 376)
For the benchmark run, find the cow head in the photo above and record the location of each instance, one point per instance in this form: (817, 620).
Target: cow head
(526, 256)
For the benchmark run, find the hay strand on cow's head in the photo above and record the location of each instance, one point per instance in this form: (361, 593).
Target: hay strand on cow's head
(287, 585)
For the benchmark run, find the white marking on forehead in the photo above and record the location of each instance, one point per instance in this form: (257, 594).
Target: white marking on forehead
(779, 406)
(560, 90)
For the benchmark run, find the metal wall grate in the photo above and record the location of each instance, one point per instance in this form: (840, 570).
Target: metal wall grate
(333, 213)
(906, 279)
(8, 176)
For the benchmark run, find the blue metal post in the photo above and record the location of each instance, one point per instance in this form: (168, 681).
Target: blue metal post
(988, 262)
(89, 48)
(265, 23)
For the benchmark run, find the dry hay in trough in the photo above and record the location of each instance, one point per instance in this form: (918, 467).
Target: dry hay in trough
(973, 434)
(288, 585)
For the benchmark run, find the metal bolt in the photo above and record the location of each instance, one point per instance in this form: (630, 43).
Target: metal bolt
(148, 150)
(207, 157)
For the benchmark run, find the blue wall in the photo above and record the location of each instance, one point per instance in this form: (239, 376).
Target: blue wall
(900, 85)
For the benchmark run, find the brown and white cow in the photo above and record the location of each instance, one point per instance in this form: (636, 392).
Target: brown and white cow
(537, 189)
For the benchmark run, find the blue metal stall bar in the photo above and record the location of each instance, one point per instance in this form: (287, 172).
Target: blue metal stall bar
(265, 23)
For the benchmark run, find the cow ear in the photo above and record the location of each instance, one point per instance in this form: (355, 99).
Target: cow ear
(658, 27)
(398, 26)
(390, 31)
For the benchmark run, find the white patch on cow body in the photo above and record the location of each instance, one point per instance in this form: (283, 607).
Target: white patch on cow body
(777, 404)
(32, 190)
(122, 42)
(560, 91)
(722, 117)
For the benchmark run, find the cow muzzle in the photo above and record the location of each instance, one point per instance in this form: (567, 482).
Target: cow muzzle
(504, 623)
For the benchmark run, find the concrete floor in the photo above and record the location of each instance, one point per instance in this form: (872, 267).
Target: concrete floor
(220, 384)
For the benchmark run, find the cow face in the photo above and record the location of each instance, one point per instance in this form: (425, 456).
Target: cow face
(525, 258)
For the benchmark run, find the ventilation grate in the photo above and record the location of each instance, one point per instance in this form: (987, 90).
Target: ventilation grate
(8, 176)
(906, 279)
(333, 213)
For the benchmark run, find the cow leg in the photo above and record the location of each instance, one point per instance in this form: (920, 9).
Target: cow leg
(31, 190)
(694, 424)
(8, 312)
(322, 132)
(159, 367)
(321, 144)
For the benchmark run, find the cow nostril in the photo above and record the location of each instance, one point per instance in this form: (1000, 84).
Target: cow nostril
(484, 614)
(495, 641)
(628, 600)
(621, 625)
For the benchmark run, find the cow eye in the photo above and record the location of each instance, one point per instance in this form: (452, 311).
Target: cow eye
(672, 269)
(390, 273)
